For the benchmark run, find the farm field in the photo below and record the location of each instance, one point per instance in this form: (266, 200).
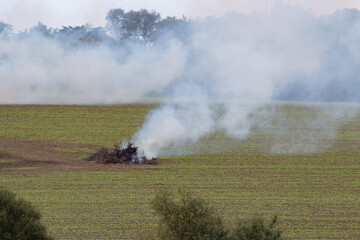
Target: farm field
(316, 194)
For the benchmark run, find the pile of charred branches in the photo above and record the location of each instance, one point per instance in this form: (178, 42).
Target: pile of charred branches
(127, 154)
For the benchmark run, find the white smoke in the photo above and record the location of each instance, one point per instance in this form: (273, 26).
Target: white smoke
(245, 61)
(295, 128)
(178, 121)
(38, 70)
(236, 61)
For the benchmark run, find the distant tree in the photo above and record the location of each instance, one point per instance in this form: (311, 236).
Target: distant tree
(115, 19)
(174, 27)
(81, 34)
(132, 25)
(43, 30)
(38, 30)
(5, 30)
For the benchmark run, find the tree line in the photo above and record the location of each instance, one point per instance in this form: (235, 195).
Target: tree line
(142, 26)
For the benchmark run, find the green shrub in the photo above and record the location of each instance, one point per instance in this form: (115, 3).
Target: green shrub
(192, 218)
(257, 229)
(19, 219)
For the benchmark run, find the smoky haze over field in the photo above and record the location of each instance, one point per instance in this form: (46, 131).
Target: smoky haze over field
(230, 64)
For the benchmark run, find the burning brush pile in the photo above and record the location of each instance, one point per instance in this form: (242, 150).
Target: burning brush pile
(127, 154)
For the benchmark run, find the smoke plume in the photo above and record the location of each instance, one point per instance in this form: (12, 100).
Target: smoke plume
(211, 74)
(243, 61)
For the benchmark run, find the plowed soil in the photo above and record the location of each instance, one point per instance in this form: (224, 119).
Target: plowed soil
(41, 155)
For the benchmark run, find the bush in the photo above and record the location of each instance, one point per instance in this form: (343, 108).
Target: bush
(19, 219)
(193, 219)
(257, 229)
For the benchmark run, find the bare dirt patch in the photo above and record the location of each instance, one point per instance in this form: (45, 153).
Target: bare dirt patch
(39, 154)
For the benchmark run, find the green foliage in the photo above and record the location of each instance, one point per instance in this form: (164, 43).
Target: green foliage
(19, 219)
(193, 219)
(257, 229)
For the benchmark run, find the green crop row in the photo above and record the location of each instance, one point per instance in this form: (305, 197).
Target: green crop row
(316, 195)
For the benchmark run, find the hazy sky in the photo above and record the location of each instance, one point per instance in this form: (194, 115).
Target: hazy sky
(26, 13)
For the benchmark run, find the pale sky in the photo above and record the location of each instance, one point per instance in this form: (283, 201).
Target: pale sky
(55, 13)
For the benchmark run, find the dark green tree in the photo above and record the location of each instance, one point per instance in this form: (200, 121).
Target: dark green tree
(19, 219)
